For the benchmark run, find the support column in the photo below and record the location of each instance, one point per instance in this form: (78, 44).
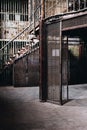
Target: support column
(43, 56)
(43, 63)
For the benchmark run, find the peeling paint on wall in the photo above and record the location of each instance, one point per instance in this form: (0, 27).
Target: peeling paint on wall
(10, 29)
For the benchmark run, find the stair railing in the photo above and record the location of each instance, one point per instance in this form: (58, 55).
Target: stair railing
(17, 45)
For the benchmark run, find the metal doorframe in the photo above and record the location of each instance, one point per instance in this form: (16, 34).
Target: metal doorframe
(67, 76)
(44, 62)
(61, 67)
(60, 50)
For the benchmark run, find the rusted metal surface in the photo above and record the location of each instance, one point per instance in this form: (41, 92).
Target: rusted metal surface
(34, 14)
(57, 62)
(11, 29)
(43, 62)
(55, 7)
(64, 70)
(74, 21)
(53, 61)
(26, 70)
(11, 26)
(53, 66)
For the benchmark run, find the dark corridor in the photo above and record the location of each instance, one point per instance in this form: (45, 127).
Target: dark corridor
(78, 66)
(77, 56)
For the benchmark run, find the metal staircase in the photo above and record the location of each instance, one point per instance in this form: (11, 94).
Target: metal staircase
(15, 47)
(21, 44)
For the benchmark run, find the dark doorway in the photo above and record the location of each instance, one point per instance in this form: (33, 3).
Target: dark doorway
(74, 67)
(77, 55)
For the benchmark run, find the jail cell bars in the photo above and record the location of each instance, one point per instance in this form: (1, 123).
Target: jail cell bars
(54, 7)
(13, 20)
(74, 5)
(34, 13)
(14, 10)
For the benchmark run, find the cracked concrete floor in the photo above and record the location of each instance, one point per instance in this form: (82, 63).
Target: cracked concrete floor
(20, 109)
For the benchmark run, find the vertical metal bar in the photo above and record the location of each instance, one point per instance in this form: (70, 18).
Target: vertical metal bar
(9, 6)
(1, 6)
(46, 8)
(26, 3)
(14, 7)
(61, 102)
(19, 6)
(43, 63)
(23, 10)
(67, 3)
(7, 51)
(73, 5)
(6, 6)
(13, 75)
(52, 8)
(43, 69)
(84, 3)
(67, 71)
(34, 16)
(14, 47)
(29, 12)
(79, 4)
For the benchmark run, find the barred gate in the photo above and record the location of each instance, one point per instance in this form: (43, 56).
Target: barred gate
(53, 61)
(55, 39)
(55, 70)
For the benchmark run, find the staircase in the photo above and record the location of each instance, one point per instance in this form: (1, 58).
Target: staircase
(20, 45)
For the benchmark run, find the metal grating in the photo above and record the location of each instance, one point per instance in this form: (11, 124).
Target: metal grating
(53, 53)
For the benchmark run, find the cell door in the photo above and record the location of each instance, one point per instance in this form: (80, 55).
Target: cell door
(56, 64)
(53, 62)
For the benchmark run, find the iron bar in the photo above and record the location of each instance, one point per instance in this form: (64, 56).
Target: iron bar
(61, 102)
(67, 70)
(43, 63)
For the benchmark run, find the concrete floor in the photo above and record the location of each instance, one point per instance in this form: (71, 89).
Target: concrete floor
(20, 109)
